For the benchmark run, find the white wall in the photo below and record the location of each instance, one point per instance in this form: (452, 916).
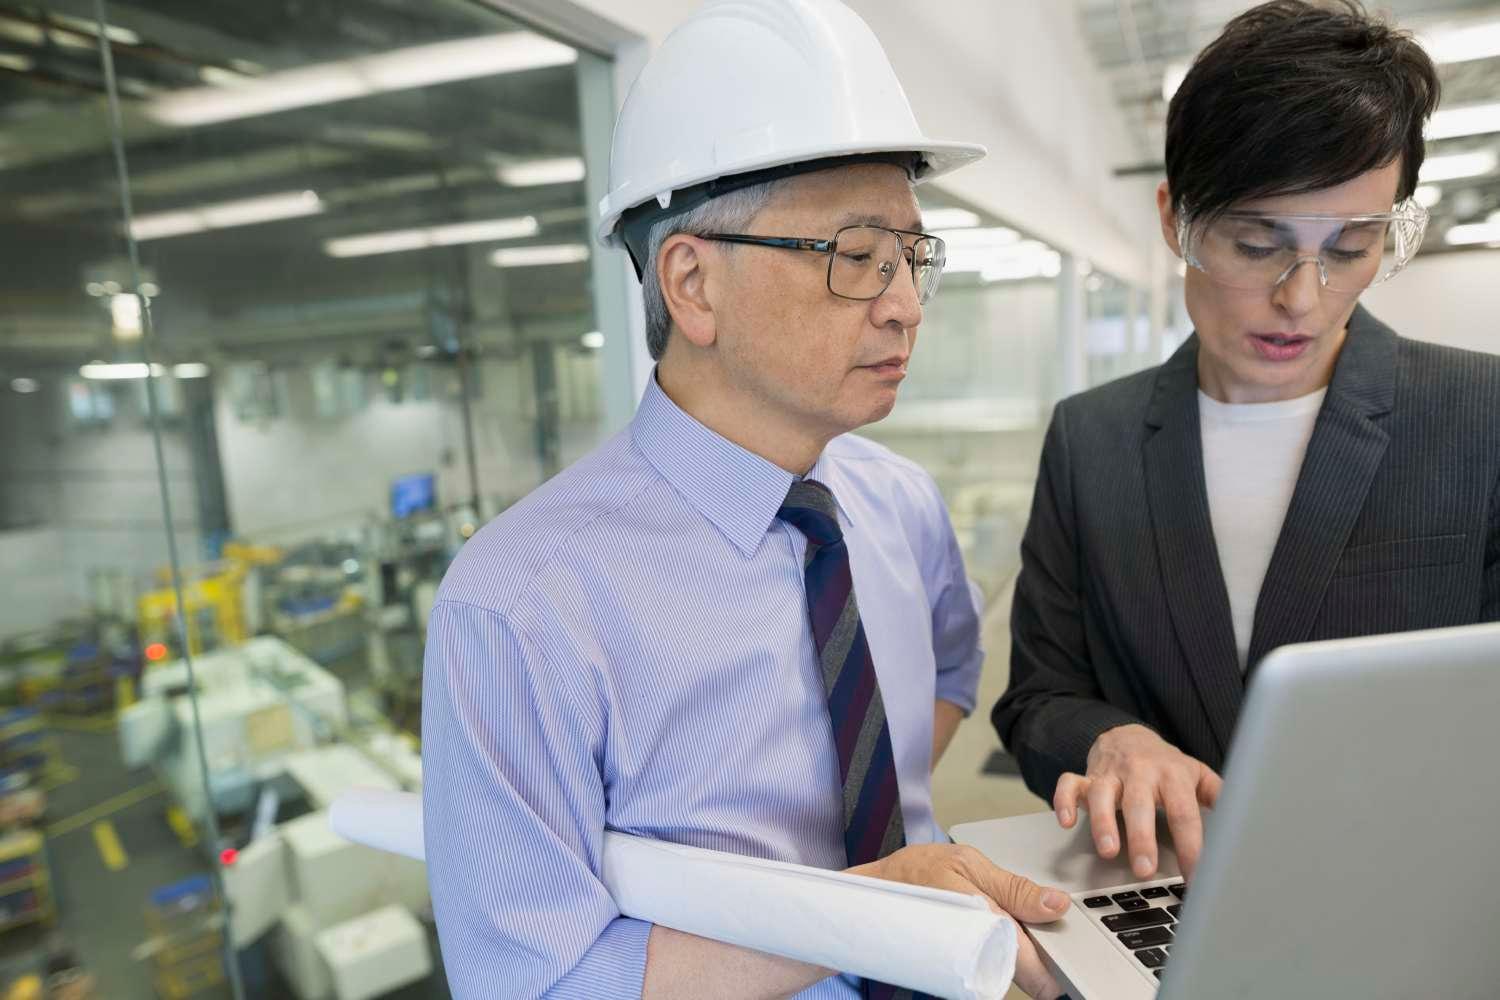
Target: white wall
(1015, 76)
(33, 579)
(299, 476)
(1448, 298)
(83, 500)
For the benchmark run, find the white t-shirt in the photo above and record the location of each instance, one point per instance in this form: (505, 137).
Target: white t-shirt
(1252, 455)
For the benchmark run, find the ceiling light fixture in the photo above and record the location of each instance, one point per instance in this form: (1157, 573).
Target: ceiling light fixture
(345, 79)
(949, 218)
(396, 240)
(1462, 43)
(1455, 166)
(565, 253)
(535, 173)
(226, 215)
(1466, 119)
(101, 371)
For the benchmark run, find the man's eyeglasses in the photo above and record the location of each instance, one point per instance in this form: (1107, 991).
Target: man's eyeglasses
(863, 260)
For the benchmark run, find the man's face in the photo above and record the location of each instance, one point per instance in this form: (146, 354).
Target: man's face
(1261, 346)
(828, 363)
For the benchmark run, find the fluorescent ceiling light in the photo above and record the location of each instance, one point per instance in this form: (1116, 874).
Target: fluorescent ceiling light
(226, 215)
(190, 369)
(21, 31)
(125, 312)
(973, 250)
(1043, 264)
(20, 64)
(1458, 165)
(949, 218)
(1467, 119)
(1463, 43)
(565, 253)
(1487, 231)
(396, 240)
(593, 340)
(999, 254)
(341, 80)
(29, 385)
(1471, 235)
(987, 237)
(105, 372)
(534, 173)
(218, 76)
(1172, 77)
(116, 34)
(1428, 195)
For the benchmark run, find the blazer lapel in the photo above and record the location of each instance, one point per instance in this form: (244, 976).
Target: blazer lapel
(1191, 575)
(1347, 447)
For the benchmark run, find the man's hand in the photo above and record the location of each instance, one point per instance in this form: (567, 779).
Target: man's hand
(963, 869)
(1132, 769)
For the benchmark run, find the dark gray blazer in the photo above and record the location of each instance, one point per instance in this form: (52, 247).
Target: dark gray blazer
(1121, 613)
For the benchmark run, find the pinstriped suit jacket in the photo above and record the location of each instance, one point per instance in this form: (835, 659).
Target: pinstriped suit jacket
(1121, 612)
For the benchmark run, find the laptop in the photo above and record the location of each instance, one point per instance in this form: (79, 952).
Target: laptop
(1354, 852)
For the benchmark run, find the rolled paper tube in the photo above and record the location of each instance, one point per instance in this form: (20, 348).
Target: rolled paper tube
(943, 943)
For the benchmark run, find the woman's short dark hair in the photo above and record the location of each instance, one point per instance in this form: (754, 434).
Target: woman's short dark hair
(1295, 97)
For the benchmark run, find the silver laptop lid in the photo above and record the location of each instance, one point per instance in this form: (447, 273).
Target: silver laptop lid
(1355, 851)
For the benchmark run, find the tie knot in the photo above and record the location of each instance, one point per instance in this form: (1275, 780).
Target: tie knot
(809, 507)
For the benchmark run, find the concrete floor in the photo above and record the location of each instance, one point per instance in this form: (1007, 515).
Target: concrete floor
(100, 910)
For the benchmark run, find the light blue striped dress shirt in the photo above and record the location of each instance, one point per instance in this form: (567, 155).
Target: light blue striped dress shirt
(629, 647)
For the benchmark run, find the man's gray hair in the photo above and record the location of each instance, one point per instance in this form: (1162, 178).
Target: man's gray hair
(729, 213)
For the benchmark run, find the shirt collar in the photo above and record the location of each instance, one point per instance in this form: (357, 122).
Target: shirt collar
(826, 471)
(736, 490)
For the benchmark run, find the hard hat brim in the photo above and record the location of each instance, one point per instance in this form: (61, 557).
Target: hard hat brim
(936, 158)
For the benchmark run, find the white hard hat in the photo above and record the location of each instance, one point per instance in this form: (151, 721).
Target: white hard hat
(747, 85)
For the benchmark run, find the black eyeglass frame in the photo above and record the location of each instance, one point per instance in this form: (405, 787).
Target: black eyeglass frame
(830, 247)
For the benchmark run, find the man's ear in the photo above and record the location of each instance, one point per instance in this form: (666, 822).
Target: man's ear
(684, 269)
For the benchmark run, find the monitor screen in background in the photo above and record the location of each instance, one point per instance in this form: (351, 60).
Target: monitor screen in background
(413, 494)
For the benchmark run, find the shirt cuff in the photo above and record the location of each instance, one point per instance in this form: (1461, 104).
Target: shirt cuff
(614, 965)
(960, 685)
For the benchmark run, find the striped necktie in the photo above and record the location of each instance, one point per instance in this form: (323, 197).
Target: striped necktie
(873, 826)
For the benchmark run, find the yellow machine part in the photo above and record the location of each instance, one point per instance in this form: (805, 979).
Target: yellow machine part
(214, 612)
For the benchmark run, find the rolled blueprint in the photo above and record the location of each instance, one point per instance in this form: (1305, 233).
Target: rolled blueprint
(943, 943)
(379, 818)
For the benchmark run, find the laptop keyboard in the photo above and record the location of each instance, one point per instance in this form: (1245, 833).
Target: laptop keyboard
(1140, 919)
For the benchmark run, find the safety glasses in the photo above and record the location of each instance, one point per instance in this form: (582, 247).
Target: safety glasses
(1258, 251)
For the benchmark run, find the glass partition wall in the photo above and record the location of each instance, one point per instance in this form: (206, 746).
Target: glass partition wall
(310, 283)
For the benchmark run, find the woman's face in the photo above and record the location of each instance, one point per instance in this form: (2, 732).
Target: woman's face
(1268, 344)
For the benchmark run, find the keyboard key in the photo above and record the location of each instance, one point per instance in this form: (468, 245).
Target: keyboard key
(1155, 892)
(1151, 958)
(1151, 916)
(1133, 904)
(1120, 897)
(1179, 890)
(1176, 910)
(1145, 938)
(1094, 902)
